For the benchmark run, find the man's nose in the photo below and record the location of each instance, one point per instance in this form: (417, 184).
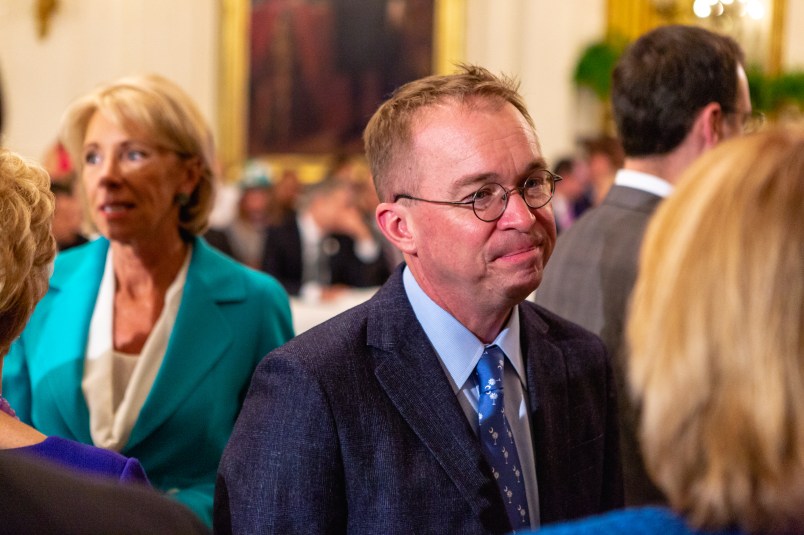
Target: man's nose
(517, 212)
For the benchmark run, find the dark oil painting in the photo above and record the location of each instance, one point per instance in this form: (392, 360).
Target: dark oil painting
(320, 68)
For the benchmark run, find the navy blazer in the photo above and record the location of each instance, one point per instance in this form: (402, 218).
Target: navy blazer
(353, 427)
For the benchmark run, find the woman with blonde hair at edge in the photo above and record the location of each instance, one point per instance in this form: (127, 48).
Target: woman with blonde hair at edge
(716, 337)
(27, 248)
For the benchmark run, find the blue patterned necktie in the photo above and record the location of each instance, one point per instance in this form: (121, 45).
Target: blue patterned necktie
(496, 438)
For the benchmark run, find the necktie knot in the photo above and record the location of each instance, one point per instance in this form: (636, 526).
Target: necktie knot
(490, 369)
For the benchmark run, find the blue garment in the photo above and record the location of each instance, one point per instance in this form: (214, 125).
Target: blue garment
(87, 459)
(229, 318)
(638, 520)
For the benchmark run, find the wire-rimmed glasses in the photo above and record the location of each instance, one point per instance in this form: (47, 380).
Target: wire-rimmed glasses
(491, 200)
(750, 121)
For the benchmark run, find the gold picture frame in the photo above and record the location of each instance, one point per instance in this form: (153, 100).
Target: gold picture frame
(447, 44)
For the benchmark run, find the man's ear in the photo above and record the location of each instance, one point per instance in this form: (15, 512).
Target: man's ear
(395, 223)
(709, 124)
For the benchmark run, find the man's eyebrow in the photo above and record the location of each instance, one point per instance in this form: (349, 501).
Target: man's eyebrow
(475, 179)
(539, 163)
(480, 179)
(468, 184)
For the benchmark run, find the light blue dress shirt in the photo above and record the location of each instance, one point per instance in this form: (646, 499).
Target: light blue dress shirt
(459, 351)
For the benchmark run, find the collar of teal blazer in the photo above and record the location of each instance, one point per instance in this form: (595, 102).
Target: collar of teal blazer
(200, 336)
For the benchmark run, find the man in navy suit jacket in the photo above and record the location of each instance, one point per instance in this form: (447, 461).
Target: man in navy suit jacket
(368, 423)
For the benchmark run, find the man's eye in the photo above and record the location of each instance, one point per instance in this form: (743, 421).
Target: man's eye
(484, 193)
(536, 181)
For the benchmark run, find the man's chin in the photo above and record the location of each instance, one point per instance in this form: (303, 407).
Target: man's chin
(520, 291)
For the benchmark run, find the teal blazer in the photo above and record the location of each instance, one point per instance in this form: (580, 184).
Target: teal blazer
(229, 318)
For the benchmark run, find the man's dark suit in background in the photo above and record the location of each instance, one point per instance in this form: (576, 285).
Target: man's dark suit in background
(669, 110)
(282, 258)
(594, 274)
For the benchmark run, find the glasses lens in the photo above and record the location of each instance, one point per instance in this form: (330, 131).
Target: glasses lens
(753, 122)
(538, 189)
(489, 202)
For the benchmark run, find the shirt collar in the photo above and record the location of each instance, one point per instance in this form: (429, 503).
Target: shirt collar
(644, 182)
(458, 349)
(308, 228)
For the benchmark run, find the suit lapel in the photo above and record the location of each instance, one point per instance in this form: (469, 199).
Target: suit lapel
(409, 371)
(549, 412)
(200, 337)
(64, 345)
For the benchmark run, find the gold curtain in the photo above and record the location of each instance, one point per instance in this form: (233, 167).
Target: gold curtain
(631, 18)
(449, 40)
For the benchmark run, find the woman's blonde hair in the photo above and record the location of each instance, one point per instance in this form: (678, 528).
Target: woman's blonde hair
(716, 337)
(161, 109)
(27, 246)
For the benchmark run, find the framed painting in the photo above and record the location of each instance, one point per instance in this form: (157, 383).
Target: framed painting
(300, 78)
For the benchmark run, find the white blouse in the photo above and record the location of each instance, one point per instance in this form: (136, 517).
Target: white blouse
(115, 385)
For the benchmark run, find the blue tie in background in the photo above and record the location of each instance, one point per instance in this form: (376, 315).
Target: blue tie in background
(496, 438)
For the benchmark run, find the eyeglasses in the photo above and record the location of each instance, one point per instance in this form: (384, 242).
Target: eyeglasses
(490, 201)
(750, 121)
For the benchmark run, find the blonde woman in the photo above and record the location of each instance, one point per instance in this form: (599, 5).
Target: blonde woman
(146, 342)
(27, 248)
(716, 334)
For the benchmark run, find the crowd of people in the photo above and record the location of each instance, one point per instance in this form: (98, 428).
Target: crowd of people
(318, 240)
(152, 382)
